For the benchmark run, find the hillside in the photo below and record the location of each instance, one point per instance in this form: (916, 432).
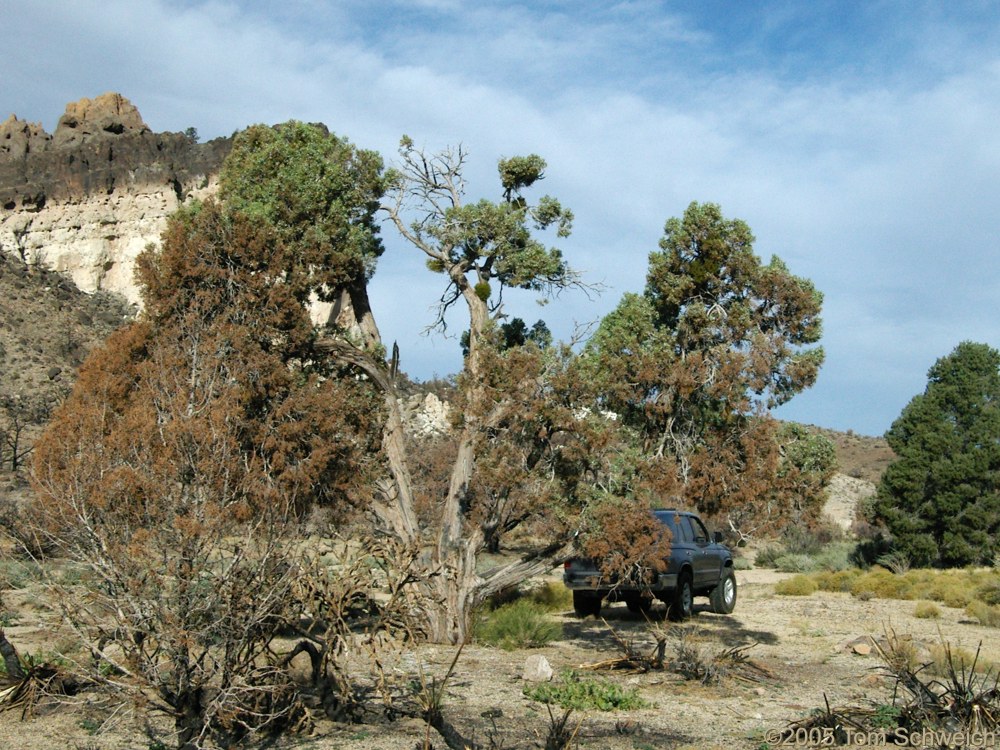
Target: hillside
(47, 328)
(859, 456)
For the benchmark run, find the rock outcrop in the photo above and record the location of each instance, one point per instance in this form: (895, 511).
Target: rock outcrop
(87, 199)
(426, 416)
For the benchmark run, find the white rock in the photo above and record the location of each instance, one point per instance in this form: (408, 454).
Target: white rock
(537, 669)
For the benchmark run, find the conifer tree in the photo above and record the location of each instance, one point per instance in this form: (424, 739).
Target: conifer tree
(940, 501)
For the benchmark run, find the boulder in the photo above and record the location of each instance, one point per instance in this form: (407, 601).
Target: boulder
(537, 669)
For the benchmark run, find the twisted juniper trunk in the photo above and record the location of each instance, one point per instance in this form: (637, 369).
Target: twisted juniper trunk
(189, 720)
(10, 658)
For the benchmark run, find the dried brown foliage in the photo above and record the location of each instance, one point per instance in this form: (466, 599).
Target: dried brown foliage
(694, 363)
(630, 543)
(177, 470)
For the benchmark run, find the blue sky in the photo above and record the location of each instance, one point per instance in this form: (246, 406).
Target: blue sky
(859, 139)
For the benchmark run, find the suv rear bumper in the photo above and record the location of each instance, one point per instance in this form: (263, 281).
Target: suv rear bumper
(589, 580)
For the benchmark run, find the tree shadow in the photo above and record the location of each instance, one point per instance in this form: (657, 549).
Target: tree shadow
(731, 631)
(615, 619)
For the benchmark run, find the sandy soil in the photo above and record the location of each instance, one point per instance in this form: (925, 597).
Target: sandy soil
(802, 641)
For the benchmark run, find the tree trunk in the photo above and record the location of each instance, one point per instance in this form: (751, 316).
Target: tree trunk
(10, 658)
(352, 312)
(189, 721)
(450, 584)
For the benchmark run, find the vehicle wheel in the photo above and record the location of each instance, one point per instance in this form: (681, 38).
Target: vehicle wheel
(723, 596)
(682, 604)
(639, 604)
(586, 603)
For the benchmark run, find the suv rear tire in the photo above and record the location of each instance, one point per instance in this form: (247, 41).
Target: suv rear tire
(682, 604)
(639, 604)
(586, 603)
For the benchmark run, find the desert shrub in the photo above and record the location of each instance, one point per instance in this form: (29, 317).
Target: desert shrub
(768, 556)
(946, 657)
(954, 588)
(554, 597)
(799, 585)
(880, 584)
(989, 592)
(795, 563)
(520, 624)
(896, 561)
(958, 595)
(574, 692)
(7, 616)
(801, 553)
(836, 580)
(835, 556)
(985, 614)
(926, 611)
(811, 540)
(899, 652)
(18, 574)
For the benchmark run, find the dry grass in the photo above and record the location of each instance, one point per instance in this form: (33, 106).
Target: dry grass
(975, 590)
(985, 614)
(800, 585)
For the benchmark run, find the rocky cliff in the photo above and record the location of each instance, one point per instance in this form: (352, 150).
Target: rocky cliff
(83, 202)
(88, 198)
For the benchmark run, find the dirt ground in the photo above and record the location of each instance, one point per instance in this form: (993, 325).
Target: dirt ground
(804, 642)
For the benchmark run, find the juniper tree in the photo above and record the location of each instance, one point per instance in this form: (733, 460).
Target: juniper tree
(695, 362)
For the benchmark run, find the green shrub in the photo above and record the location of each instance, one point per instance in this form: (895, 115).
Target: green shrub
(926, 611)
(572, 692)
(768, 556)
(554, 597)
(835, 556)
(793, 563)
(796, 586)
(520, 624)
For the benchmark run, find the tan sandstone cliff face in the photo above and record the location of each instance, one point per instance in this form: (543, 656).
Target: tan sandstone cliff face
(96, 239)
(89, 198)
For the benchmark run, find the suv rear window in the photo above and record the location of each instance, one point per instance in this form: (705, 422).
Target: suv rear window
(679, 529)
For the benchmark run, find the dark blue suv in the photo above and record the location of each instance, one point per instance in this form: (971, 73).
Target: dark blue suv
(699, 565)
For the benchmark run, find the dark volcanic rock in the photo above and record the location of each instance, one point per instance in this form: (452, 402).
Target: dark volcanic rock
(100, 146)
(18, 138)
